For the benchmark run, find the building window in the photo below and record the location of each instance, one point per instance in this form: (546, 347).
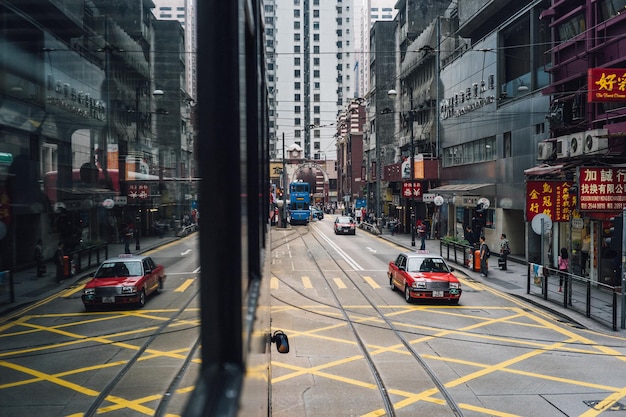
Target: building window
(316, 49)
(611, 8)
(297, 85)
(316, 85)
(296, 49)
(316, 109)
(296, 13)
(316, 61)
(297, 109)
(296, 73)
(297, 121)
(296, 61)
(296, 98)
(316, 73)
(316, 25)
(506, 146)
(296, 25)
(297, 134)
(571, 27)
(316, 98)
(296, 37)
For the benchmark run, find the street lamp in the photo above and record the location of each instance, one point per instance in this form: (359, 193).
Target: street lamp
(392, 95)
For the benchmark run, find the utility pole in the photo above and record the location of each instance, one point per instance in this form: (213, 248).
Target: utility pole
(283, 222)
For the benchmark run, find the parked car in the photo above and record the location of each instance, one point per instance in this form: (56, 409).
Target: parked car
(345, 225)
(424, 276)
(316, 213)
(126, 279)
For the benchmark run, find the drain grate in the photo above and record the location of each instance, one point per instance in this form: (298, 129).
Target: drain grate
(615, 407)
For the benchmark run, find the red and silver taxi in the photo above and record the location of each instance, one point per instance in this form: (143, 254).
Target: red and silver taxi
(126, 279)
(345, 225)
(423, 276)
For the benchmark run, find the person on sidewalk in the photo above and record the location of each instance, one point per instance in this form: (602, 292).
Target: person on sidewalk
(484, 256)
(469, 236)
(505, 251)
(421, 233)
(563, 263)
(58, 261)
(38, 258)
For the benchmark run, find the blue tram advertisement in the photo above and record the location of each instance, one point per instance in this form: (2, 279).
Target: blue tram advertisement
(299, 202)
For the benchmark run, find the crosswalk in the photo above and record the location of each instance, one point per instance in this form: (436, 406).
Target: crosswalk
(305, 282)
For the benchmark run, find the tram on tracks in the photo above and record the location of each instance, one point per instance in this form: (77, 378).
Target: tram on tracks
(233, 147)
(299, 202)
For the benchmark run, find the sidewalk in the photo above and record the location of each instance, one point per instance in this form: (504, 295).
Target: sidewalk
(29, 289)
(512, 281)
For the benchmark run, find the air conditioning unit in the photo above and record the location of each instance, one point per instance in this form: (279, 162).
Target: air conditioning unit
(596, 142)
(562, 147)
(576, 144)
(544, 151)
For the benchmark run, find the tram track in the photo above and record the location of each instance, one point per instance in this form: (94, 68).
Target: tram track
(383, 390)
(117, 379)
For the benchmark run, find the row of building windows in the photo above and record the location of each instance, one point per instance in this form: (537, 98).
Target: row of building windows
(480, 150)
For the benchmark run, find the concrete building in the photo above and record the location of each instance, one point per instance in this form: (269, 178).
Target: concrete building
(310, 66)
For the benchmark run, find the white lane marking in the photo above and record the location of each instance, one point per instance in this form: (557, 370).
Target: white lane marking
(187, 252)
(341, 253)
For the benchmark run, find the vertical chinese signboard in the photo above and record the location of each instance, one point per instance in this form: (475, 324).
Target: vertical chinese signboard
(606, 84)
(551, 198)
(602, 189)
(417, 189)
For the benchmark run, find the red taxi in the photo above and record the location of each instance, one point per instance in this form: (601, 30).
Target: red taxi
(126, 279)
(344, 225)
(424, 276)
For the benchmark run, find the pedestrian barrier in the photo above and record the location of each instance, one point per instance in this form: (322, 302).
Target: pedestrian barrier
(372, 228)
(6, 288)
(596, 300)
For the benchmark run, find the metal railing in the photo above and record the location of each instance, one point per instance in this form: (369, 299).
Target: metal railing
(597, 301)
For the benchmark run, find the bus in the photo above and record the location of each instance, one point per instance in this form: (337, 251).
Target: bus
(299, 202)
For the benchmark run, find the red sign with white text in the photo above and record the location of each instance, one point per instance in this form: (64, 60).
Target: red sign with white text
(602, 188)
(417, 189)
(551, 198)
(606, 84)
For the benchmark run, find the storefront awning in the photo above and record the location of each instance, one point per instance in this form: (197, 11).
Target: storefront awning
(475, 189)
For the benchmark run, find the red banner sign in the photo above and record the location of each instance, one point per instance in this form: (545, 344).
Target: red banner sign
(602, 189)
(606, 84)
(551, 198)
(417, 189)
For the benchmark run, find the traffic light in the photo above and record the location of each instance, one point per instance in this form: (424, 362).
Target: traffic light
(614, 234)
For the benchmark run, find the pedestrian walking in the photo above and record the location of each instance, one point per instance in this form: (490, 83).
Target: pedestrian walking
(38, 258)
(58, 261)
(421, 233)
(563, 263)
(505, 250)
(485, 253)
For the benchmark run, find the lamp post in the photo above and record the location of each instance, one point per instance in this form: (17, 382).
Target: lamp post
(393, 94)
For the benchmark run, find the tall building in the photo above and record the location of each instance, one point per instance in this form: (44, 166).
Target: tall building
(183, 11)
(366, 13)
(310, 71)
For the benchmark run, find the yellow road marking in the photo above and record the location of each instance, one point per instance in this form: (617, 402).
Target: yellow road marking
(371, 282)
(339, 283)
(185, 285)
(306, 282)
(274, 283)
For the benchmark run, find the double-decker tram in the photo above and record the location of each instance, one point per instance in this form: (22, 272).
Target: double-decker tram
(299, 202)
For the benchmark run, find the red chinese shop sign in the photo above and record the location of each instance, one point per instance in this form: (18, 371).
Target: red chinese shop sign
(417, 189)
(602, 188)
(551, 198)
(606, 84)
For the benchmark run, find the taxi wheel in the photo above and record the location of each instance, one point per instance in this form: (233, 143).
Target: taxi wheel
(159, 287)
(142, 298)
(393, 287)
(407, 294)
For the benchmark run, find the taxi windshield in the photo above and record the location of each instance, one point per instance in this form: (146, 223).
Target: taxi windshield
(426, 265)
(119, 269)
